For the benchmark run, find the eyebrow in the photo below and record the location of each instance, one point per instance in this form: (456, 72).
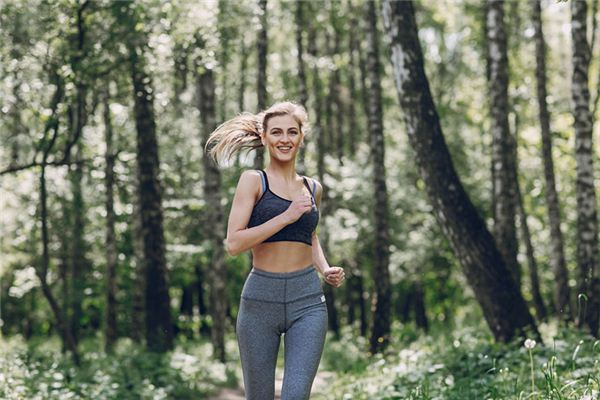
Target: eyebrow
(278, 128)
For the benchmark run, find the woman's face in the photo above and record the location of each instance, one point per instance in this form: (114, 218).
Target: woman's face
(283, 137)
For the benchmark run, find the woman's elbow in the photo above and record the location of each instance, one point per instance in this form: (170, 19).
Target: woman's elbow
(232, 247)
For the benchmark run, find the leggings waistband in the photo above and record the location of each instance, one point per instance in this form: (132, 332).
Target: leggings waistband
(283, 275)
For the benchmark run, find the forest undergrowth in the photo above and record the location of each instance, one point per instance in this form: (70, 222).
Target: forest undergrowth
(466, 364)
(462, 364)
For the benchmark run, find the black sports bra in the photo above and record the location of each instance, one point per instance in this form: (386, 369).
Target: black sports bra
(270, 205)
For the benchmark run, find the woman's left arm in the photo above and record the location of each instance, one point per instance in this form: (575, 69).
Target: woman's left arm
(318, 256)
(333, 275)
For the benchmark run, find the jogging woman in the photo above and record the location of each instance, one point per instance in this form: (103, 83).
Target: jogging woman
(275, 213)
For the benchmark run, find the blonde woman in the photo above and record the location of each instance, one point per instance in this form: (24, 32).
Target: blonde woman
(275, 213)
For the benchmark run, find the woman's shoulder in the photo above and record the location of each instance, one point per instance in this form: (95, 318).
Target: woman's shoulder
(250, 174)
(250, 181)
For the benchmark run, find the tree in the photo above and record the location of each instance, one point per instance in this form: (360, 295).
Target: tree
(557, 257)
(261, 78)
(502, 161)
(496, 291)
(158, 326)
(587, 216)
(215, 229)
(381, 275)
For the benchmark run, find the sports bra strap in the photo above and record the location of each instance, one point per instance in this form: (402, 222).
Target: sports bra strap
(312, 192)
(265, 182)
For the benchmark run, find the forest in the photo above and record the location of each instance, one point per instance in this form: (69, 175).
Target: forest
(456, 142)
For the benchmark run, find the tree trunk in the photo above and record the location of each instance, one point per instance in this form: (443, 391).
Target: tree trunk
(420, 314)
(215, 229)
(352, 123)
(159, 329)
(534, 280)
(496, 291)
(302, 84)
(202, 308)
(138, 313)
(80, 266)
(324, 212)
(587, 217)
(42, 270)
(64, 265)
(337, 135)
(381, 305)
(502, 163)
(111, 243)
(261, 79)
(557, 256)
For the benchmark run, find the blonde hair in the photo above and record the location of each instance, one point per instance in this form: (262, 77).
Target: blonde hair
(244, 130)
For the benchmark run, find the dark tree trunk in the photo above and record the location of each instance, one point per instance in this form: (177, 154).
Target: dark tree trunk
(496, 291)
(261, 82)
(215, 229)
(202, 308)
(381, 305)
(534, 279)
(502, 163)
(337, 135)
(187, 300)
(420, 314)
(111, 243)
(77, 118)
(181, 70)
(64, 266)
(352, 123)
(159, 329)
(243, 68)
(557, 256)
(80, 266)
(317, 130)
(587, 217)
(402, 305)
(42, 270)
(360, 288)
(138, 316)
(302, 84)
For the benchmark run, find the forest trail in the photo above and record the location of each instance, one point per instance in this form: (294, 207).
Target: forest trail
(319, 385)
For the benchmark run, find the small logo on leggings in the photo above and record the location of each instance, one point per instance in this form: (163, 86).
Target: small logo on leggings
(322, 298)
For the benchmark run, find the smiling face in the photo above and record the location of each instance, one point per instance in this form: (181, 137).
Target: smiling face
(282, 137)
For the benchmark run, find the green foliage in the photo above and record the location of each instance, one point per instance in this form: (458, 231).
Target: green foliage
(42, 372)
(467, 364)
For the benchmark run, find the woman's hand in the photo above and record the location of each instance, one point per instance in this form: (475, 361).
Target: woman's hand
(334, 276)
(300, 205)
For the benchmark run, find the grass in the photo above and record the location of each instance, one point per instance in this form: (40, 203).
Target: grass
(467, 364)
(460, 365)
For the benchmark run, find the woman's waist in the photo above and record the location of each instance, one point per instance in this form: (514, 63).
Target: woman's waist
(281, 287)
(281, 256)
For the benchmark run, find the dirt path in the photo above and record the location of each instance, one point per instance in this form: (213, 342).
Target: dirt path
(319, 384)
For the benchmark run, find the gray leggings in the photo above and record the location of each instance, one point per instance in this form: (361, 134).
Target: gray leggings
(273, 303)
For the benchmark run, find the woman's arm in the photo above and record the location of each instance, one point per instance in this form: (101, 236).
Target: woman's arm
(239, 238)
(318, 256)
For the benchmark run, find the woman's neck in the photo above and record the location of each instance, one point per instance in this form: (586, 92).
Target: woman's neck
(286, 171)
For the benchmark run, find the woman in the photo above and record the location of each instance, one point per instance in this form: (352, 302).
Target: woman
(275, 213)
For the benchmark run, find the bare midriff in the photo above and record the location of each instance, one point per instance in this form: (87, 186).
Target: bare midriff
(285, 256)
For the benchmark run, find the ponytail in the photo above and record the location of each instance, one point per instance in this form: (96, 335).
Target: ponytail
(240, 132)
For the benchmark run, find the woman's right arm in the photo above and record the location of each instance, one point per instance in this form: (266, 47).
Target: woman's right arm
(240, 238)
